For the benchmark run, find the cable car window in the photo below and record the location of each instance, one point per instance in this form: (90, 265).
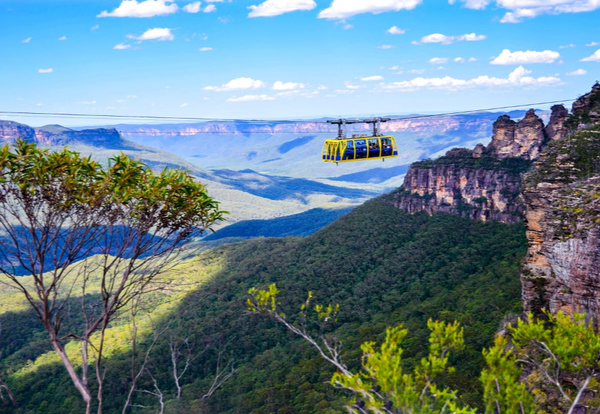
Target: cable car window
(361, 148)
(349, 153)
(374, 148)
(386, 147)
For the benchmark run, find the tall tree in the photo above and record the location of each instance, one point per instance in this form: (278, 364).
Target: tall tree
(98, 235)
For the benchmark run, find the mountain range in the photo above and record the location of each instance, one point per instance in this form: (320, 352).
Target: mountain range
(449, 244)
(265, 170)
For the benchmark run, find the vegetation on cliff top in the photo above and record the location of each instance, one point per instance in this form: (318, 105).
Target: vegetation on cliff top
(462, 158)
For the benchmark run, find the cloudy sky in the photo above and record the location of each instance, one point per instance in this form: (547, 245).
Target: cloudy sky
(289, 59)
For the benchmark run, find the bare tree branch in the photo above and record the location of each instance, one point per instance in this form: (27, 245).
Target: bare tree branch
(221, 375)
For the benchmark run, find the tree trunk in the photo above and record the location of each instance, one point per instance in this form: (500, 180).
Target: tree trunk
(81, 387)
(4, 387)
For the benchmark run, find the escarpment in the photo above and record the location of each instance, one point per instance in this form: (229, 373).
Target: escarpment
(562, 197)
(547, 175)
(483, 183)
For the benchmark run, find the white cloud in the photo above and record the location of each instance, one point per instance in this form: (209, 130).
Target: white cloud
(271, 8)
(446, 40)
(595, 57)
(570, 45)
(205, 49)
(95, 27)
(372, 78)
(49, 70)
(62, 38)
(236, 84)
(521, 9)
(147, 8)
(386, 47)
(209, 9)
(132, 96)
(248, 98)
(473, 4)
(342, 91)
(459, 60)
(578, 72)
(121, 46)
(183, 105)
(192, 7)
(284, 86)
(517, 77)
(26, 40)
(438, 60)
(395, 30)
(351, 86)
(158, 33)
(87, 103)
(322, 88)
(472, 59)
(342, 9)
(525, 57)
(593, 44)
(345, 24)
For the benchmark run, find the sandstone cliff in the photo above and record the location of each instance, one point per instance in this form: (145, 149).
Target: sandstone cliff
(562, 196)
(483, 183)
(10, 131)
(475, 184)
(56, 135)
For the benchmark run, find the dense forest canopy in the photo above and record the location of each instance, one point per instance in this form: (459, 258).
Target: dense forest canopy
(382, 265)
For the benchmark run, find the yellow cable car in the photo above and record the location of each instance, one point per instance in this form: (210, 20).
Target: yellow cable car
(359, 147)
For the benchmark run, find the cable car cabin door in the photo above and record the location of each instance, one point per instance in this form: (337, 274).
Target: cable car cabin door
(359, 149)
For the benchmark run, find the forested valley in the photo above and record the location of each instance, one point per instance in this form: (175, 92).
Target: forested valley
(380, 264)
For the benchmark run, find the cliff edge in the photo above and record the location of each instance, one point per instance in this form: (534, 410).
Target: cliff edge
(562, 197)
(483, 183)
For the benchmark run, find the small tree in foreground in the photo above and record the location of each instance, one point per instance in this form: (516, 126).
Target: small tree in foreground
(383, 385)
(99, 236)
(538, 367)
(544, 366)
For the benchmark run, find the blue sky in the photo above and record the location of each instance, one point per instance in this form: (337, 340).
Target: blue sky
(289, 59)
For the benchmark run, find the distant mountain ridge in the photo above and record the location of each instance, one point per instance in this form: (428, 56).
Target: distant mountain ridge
(247, 195)
(293, 148)
(398, 123)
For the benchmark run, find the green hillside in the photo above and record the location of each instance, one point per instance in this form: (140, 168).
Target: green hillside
(380, 264)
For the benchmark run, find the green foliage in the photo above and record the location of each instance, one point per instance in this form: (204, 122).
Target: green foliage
(560, 358)
(566, 160)
(384, 387)
(503, 392)
(461, 158)
(57, 210)
(381, 265)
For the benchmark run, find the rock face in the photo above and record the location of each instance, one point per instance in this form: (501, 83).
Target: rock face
(586, 110)
(11, 131)
(484, 183)
(557, 126)
(56, 135)
(562, 197)
(521, 139)
(466, 183)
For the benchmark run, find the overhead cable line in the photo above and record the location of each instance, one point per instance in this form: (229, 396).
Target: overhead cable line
(472, 111)
(205, 119)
